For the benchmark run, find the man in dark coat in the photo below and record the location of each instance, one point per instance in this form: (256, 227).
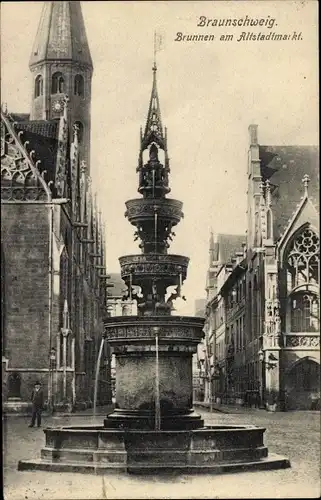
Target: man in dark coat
(37, 405)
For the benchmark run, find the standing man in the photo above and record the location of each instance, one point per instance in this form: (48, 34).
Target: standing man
(37, 405)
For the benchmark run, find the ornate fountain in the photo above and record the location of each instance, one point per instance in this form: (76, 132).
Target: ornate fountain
(154, 350)
(153, 426)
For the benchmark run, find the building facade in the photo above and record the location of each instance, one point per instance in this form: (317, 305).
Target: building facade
(271, 298)
(53, 265)
(222, 315)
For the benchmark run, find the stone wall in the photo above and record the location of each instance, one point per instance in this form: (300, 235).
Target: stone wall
(25, 245)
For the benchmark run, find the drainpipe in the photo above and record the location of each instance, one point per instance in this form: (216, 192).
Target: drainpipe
(73, 365)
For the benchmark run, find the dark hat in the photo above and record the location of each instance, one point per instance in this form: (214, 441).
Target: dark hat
(38, 383)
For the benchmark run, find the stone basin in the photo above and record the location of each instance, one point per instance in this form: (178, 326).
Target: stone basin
(215, 449)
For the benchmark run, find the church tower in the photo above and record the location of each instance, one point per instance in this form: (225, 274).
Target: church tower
(60, 65)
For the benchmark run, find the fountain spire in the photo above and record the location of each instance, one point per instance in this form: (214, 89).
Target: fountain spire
(154, 127)
(153, 176)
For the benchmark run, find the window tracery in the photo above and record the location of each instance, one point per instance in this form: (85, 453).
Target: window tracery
(303, 259)
(302, 266)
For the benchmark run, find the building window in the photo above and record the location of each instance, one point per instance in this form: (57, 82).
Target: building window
(304, 312)
(38, 86)
(57, 83)
(80, 130)
(79, 85)
(302, 264)
(14, 385)
(302, 260)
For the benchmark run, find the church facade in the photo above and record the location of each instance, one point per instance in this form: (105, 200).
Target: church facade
(263, 318)
(53, 265)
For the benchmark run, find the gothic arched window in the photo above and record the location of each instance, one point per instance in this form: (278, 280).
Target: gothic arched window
(57, 83)
(80, 128)
(302, 259)
(302, 264)
(79, 85)
(304, 312)
(38, 86)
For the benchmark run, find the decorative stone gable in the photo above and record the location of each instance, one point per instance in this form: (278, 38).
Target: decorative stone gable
(20, 177)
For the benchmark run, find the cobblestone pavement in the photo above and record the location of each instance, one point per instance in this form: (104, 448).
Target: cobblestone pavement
(294, 434)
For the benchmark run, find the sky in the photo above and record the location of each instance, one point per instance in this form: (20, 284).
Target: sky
(210, 92)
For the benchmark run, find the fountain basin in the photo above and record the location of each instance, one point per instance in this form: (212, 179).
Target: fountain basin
(214, 449)
(182, 331)
(142, 267)
(141, 209)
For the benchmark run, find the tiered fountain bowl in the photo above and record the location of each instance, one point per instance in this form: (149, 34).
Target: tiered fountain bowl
(154, 426)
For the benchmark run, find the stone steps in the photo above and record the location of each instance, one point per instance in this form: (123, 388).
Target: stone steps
(269, 463)
(156, 457)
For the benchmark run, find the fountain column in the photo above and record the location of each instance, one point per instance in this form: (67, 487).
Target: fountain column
(149, 276)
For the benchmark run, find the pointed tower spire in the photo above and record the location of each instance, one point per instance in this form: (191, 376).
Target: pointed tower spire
(61, 64)
(61, 35)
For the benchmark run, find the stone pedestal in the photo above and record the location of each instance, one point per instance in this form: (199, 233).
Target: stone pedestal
(133, 341)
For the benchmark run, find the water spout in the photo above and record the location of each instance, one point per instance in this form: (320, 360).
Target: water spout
(157, 395)
(155, 218)
(97, 374)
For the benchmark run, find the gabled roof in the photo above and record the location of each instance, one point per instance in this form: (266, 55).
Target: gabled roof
(228, 245)
(43, 139)
(20, 117)
(285, 167)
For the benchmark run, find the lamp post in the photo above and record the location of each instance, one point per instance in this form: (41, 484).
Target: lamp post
(270, 363)
(52, 365)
